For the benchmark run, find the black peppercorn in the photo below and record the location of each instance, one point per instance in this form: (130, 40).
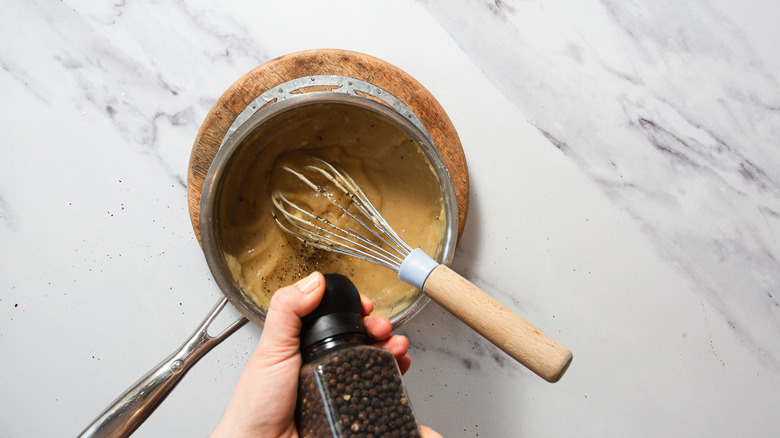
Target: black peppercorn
(348, 388)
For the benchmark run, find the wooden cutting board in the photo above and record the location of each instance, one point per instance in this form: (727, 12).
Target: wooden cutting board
(327, 62)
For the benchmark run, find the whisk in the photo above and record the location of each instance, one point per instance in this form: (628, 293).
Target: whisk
(370, 237)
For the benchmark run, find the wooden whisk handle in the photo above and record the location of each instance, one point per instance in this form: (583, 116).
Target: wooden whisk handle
(505, 329)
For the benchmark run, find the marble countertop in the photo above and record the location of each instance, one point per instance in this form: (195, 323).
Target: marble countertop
(625, 197)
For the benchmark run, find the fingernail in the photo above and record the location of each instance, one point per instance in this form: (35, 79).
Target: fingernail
(308, 284)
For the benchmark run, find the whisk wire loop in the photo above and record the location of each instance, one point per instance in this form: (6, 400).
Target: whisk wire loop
(319, 232)
(361, 201)
(355, 201)
(328, 236)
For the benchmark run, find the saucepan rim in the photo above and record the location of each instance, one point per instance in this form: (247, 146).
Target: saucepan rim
(219, 168)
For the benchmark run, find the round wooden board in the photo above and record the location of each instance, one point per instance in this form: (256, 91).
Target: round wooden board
(326, 62)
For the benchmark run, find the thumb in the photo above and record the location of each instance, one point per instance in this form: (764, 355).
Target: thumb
(282, 327)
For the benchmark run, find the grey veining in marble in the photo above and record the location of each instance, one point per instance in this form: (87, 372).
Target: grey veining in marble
(638, 96)
(129, 80)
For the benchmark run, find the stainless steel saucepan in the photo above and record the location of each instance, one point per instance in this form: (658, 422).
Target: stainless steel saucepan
(131, 408)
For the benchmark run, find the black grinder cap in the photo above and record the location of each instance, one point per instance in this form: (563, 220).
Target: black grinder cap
(340, 312)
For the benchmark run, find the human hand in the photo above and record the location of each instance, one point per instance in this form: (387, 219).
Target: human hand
(263, 403)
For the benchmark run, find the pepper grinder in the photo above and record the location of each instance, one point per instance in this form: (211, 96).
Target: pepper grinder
(347, 387)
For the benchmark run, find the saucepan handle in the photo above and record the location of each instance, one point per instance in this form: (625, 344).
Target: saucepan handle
(133, 407)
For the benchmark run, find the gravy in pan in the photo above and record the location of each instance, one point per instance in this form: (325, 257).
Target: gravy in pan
(384, 161)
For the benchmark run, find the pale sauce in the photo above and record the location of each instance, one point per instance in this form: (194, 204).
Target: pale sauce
(388, 165)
